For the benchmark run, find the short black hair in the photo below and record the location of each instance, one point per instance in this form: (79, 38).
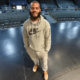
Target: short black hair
(35, 2)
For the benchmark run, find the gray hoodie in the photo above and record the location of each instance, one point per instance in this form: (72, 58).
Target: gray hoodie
(37, 36)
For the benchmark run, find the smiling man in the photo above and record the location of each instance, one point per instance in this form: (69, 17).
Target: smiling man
(37, 38)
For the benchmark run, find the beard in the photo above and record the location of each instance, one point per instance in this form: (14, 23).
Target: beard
(34, 18)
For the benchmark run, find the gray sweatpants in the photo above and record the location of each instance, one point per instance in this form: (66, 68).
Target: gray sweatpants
(41, 56)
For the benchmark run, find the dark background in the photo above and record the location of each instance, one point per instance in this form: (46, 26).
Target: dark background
(2, 2)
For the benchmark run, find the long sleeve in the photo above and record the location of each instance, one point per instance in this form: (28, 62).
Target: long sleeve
(25, 37)
(47, 37)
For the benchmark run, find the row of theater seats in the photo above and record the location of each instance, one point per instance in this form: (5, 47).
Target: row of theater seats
(48, 5)
(66, 4)
(13, 17)
(68, 19)
(62, 4)
(66, 15)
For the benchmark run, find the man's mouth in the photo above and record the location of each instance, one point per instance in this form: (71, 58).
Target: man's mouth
(34, 13)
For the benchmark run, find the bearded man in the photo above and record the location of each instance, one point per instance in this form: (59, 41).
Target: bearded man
(37, 38)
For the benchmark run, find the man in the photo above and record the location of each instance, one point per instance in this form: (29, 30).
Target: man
(37, 38)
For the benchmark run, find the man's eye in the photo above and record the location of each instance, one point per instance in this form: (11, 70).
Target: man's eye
(32, 8)
(37, 8)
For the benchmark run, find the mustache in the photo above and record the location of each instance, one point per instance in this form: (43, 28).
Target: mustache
(34, 12)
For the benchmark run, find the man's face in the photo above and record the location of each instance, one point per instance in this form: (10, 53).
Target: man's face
(35, 10)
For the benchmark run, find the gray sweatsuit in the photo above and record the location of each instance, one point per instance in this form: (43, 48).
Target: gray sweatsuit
(37, 41)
